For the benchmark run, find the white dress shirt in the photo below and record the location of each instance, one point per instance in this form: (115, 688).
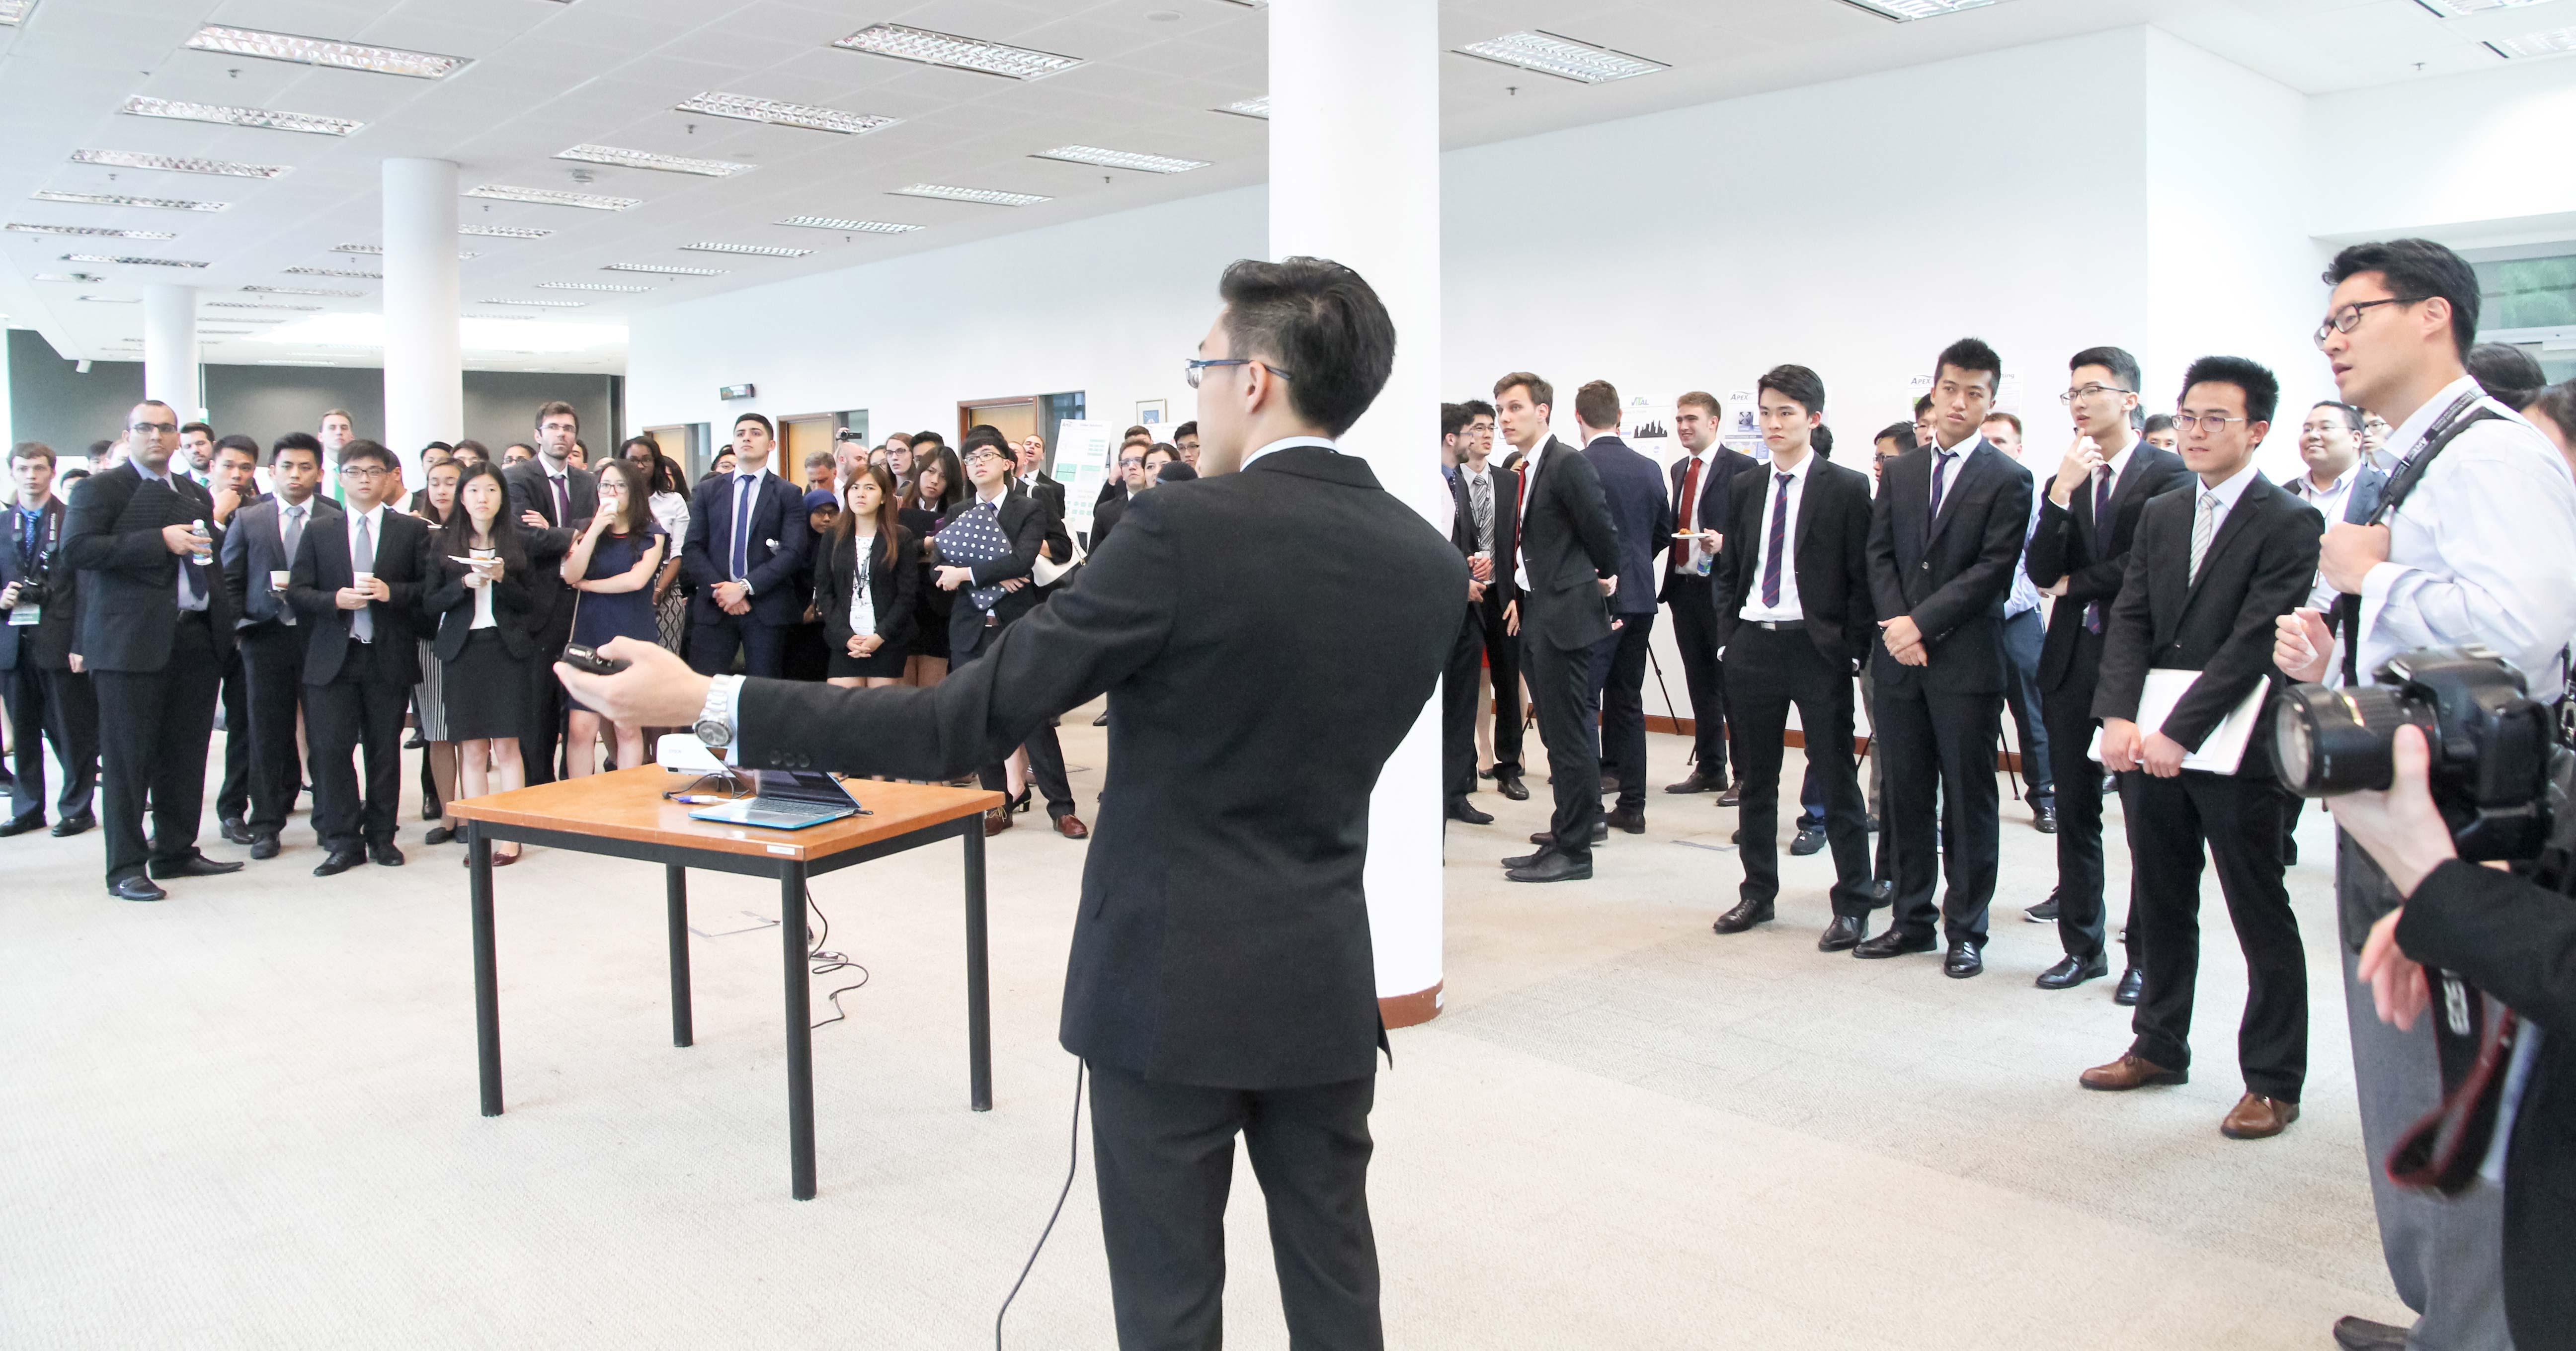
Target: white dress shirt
(1285, 442)
(375, 520)
(863, 603)
(1790, 609)
(483, 616)
(1529, 493)
(2329, 502)
(2228, 491)
(1470, 478)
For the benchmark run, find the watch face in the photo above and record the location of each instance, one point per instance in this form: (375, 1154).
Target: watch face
(711, 731)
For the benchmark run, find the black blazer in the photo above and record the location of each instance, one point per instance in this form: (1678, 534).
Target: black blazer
(1050, 495)
(549, 598)
(253, 549)
(1507, 524)
(1954, 576)
(1569, 545)
(2259, 567)
(2070, 544)
(129, 590)
(2367, 485)
(48, 645)
(1829, 548)
(1714, 509)
(894, 590)
(322, 568)
(448, 603)
(1265, 639)
(1024, 523)
(774, 559)
(1641, 515)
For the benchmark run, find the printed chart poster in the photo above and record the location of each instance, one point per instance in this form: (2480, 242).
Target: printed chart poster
(1082, 451)
(1743, 421)
(1647, 426)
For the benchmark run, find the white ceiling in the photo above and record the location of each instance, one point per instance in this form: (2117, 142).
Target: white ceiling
(549, 74)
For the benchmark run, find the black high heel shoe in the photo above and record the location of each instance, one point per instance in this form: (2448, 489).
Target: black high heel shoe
(1020, 804)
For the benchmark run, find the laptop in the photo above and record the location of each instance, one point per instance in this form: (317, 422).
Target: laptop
(786, 800)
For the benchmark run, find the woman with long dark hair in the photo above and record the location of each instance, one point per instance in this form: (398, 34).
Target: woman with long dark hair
(867, 581)
(483, 646)
(610, 568)
(938, 487)
(428, 698)
(666, 494)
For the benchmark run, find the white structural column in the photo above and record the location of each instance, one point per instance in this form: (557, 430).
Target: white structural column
(424, 354)
(1355, 177)
(170, 370)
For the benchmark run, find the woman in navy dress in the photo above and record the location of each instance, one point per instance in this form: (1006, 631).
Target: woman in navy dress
(610, 567)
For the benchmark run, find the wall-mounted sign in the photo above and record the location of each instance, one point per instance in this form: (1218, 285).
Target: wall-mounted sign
(734, 392)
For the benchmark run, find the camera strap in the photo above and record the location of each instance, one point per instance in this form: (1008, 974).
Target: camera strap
(2465, 412)
(2473, 1035)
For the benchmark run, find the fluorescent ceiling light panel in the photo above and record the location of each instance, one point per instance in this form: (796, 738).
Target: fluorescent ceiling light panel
(97, 231)
(116, 199)
(323, 52)
(260, 305)
(110, 300)
(1572, 59)
(2461, 9)
(1121, 159)
(665, 269)
(809, 116)
(502, 231)
(987, 196)
(177, 164)
(549, 197)
(756, 250)
(539, 304)
(15, 11)
(64, 276)
(299, 291)
(646, 159)
(590, 286)
(133, 262)
(1905, 11)
(375, 250)
(334, 272)
(956, 53)
(871, 227)
(1256, 107)
(140, 106)
(2551, 43)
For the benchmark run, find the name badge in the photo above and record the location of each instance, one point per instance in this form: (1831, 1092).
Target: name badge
(26, 616)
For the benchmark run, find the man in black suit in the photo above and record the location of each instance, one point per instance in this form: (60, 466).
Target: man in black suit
(1221, 978)
(554, 497)
(747, 546)
(1642, 520)
(356, 586)
(1474, 522)
(259, 555)
(1945, 538)
(1498, 614)
(155, 624)
(2080, 554)
(1029, 457)
(2214, 568)
(49, 701)
(1792, 610)
(232, 477)
(1703, 482)
(1569, 563)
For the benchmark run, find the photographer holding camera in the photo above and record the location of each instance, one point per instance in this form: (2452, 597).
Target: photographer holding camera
(2473, 545)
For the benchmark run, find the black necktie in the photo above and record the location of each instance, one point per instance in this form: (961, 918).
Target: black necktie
(1779, 534)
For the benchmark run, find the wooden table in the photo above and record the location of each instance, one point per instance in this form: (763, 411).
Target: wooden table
(623, 815)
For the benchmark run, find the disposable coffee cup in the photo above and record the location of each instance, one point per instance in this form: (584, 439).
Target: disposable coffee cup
(277, 579)
(361, 579)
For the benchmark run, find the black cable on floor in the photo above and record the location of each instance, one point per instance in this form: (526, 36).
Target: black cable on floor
(1073, 1162)
(825, 963)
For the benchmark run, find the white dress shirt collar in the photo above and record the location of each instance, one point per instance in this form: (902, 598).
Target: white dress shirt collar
(2229, 491)
(2408, 437)
(374, 517)
(1287, 442)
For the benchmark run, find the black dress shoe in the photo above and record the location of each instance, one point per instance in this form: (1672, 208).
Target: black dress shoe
(1696, 783)
(413, 742)
(1844, 933)
(263, 847)
(22, 825)
(1552, 867)
(2043, 913)
(1102, 720)
(385, 855)
(340, 861)
(2133, 982)
(1525, 860)
(1964, 961)
(1629, 819)
(194, 865)
(73, 825)
(1514, 789)
(2361, 1334)
(136, 888)
(1461, 811)
(2073, 971)
(1609, 784)
(431, 809)
(1893, 943)
(1882, 892)
(1600, 832)
(234, 832)
(1809, 841)
(438, 835)
(1737, 838)
(1744, 916)
(2043, 819)
(1733, 793)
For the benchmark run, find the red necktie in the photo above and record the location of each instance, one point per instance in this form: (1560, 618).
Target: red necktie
(1690, 495)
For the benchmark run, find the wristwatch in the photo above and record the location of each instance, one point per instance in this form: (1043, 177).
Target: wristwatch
(715, 720)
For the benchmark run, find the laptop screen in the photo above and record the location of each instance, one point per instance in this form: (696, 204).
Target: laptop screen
(790, 785)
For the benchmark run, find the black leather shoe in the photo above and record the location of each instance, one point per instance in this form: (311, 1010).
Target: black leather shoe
(1808, 842)
(2073, 971)
(1737, 838)
(1633, 821)
(73, 825)
(234, 832)
(438, 835)
(385, 855)
(1733, 793)
(1892, 943)
(1102, 720)
(1963, 961)
(2043, 913)
(1882, 892)
(1600, 832)
(1696, 783)
(263, 847)
(431, 809)
(2361, 1334)
(1843, 934)
(2044, 819)
(194, 865)
(413, 742)
(1514, 789)
(1525, 860)
(1460, 811)
(23, 825)
(2133, 982)
(1609, 784)
(1744, 916)
(1552, 867)
(136, 888)
(340, 861)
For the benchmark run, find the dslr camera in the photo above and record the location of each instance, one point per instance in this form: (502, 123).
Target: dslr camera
(2491, 744)
(32, 589)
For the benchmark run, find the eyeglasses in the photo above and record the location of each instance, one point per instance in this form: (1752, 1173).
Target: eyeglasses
(1130, 461)
(2090, 391)
(361, 471)
(2213, 423)
(987, 453)
(1191, 369)
(165, 428)
(2348, 318)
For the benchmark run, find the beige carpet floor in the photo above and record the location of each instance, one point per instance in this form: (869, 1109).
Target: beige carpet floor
(246, 1117)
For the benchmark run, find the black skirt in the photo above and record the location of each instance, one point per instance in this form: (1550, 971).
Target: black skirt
(486, 690)
(886, 662)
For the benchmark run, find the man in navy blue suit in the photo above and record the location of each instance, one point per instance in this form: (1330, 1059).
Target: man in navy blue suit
(747, 544)
(1643, 518)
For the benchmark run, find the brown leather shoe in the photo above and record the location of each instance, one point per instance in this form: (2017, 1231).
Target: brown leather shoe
(2131, 1071)
(2255, 1117)
(996, 820)
(1071, 827)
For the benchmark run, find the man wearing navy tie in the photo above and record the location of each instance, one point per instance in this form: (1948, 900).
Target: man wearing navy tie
(747, 543)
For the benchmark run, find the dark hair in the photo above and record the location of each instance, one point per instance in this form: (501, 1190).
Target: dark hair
(187, 427)
(550, 408)
(2122, 366)
(237, 441)
(722, 453)
(1453, 419)
(843, 527)
(933, 438)
(303, 441)
(74, 475)
(2417, 270)
(639, 440)
(1166, 449)
(2160, 422)
(1971, 356)
(1800, 385)
(638, 515)
(428, 505)
(1189, 428)
(438, 445)
(32, 450)
(1477, 408)
(756, 417)
(2507, 373)
(2011, 419)
(2351, 415)
(473, 447)
(666, 474)
(517, 445)
(456, 534)
(1139, 432)
(364, 449)
(980, 436)
(1322, 322)
(2558, 404)
(1700, 398)
(1597, 404)
(1175, 471)
(1902, 433)
(1923, 405)
(98, 449)
(952, 479)
(1540, 391)
(1821, 441)
(2262, 390)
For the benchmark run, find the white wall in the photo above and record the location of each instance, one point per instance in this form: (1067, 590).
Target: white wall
(2433, 156)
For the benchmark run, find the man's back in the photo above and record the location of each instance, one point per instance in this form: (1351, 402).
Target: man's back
(1639, 511)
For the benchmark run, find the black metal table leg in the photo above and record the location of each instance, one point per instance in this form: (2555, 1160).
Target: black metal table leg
(487, 977)
(979, 991)
(676, 884)
(800, 1030)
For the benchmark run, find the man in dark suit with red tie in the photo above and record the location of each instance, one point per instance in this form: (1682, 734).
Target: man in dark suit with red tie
(1703, 483)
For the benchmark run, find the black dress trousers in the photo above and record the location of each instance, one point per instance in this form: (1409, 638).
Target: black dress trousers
(1936, 740)
(1770, 670)
(2068, 714)
(154, 730)
(1458, 709)
(232, 796)
(1503, 669)
(356, 714)
(272, 657)
(1695, 635)
(1560, 681)
(1619, 677)
(61, 708)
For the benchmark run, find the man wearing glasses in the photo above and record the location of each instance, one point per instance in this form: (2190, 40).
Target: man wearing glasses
(156, 626)
(2474, 542)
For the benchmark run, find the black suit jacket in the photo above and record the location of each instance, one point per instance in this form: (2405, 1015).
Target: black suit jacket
(1951, 575)
(1266, 639)
(1569, 545)
(2367, 485)
(253, 549)
(1507, 534)
(1713, 509)
(1050, 494)
(1024, 523)
(47, 646)
(448, 603)
(322, 568)
(129, 588)
(1829, 548)
(2071, 545)
(1641, 514)
(549, 597)
(893, 588)
(775, 557)
(2259, 567)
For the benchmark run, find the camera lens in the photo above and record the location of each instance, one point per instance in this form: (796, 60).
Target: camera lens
(2329, 741)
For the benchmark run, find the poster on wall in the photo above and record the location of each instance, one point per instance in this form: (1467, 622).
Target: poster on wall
(1082, 451)
(1153, 412)
(2008, 394)
(1743, 422)
(1647, 426)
